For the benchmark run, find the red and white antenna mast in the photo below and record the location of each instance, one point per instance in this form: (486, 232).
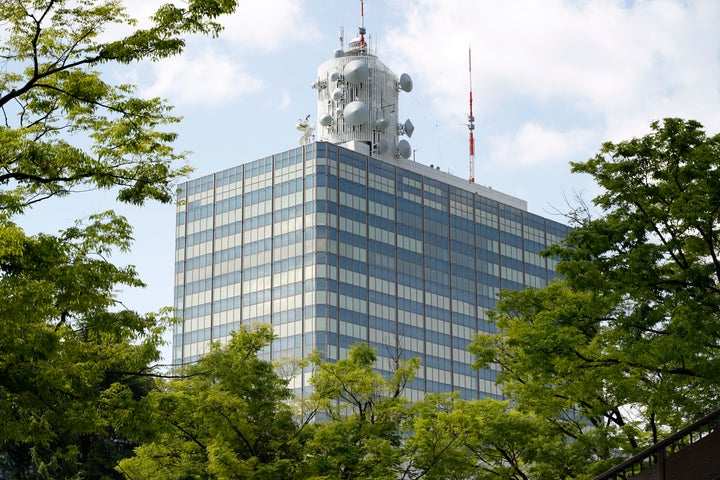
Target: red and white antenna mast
(471, 122)
(363, 45)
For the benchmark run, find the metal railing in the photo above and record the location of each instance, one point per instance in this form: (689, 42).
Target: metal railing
(658, 453)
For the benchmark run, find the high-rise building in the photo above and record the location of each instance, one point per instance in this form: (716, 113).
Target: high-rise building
(346, 240)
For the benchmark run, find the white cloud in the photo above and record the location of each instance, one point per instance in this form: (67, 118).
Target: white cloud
(534, 144)
(255, 26)
(208, 77)
(269, 25)
(613, 64)
(212, 71)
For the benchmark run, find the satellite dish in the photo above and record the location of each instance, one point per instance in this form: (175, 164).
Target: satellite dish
(381, 146)
(356, 71)
(403, 149)
(337, 94)
(338, 111)
(334, 76)
(382, 123)
(338, 53)
(405, 83)
(356, 113)
(409, 128)
(326, 120)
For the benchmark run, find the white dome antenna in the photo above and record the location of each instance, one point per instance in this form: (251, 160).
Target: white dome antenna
(356, 113)
(357, 71)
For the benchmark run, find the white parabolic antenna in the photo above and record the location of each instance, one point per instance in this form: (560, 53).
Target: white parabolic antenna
(403, 149)
(326, 120)
(405, 83)
(356, 113)
(382, 145)
(356, 72)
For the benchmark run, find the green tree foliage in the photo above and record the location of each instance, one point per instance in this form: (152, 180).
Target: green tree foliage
(358, 434)
(656, 249)
(234, 417)
(367, 429)
(504, 443)
(229, 418)
(433, 437)
(543, 344)
(73, 362)
(70, 368)
(451, 438)
(625, 348)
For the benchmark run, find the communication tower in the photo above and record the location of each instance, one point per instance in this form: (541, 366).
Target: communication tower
(358, 101)
(471, 122)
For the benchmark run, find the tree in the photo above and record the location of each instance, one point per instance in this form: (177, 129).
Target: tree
(70, 368)
(547, 347)
(502, 442)
(433, 438)
(359, 431)
(73, 361)
(484, 439)
(625, 348)
(229, 418)
(659, 256)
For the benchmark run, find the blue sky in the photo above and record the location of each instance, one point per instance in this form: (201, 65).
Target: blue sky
(552, 80)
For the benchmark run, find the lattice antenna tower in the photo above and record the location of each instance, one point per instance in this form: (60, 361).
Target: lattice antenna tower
(362, 31)
(471, 121)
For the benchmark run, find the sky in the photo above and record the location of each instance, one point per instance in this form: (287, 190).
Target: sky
(552, 80)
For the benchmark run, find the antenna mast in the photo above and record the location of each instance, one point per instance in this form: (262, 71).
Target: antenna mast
(471, 121)
(363, 46)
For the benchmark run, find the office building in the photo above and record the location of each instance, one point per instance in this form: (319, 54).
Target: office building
(345, 239)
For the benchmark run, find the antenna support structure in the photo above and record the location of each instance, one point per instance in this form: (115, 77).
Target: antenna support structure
(471, 121)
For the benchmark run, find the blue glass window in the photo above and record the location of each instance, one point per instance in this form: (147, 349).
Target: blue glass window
(381, 197)
(228, 205)
(257, 196)
(353, 188)
(353, 265)
(258, 167)
(353, 214)
(352, 239)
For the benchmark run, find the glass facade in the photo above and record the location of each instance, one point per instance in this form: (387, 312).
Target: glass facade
(333, 247)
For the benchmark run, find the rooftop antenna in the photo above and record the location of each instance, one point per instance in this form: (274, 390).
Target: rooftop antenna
(342, 38)
(363, 46)
(471, 121)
